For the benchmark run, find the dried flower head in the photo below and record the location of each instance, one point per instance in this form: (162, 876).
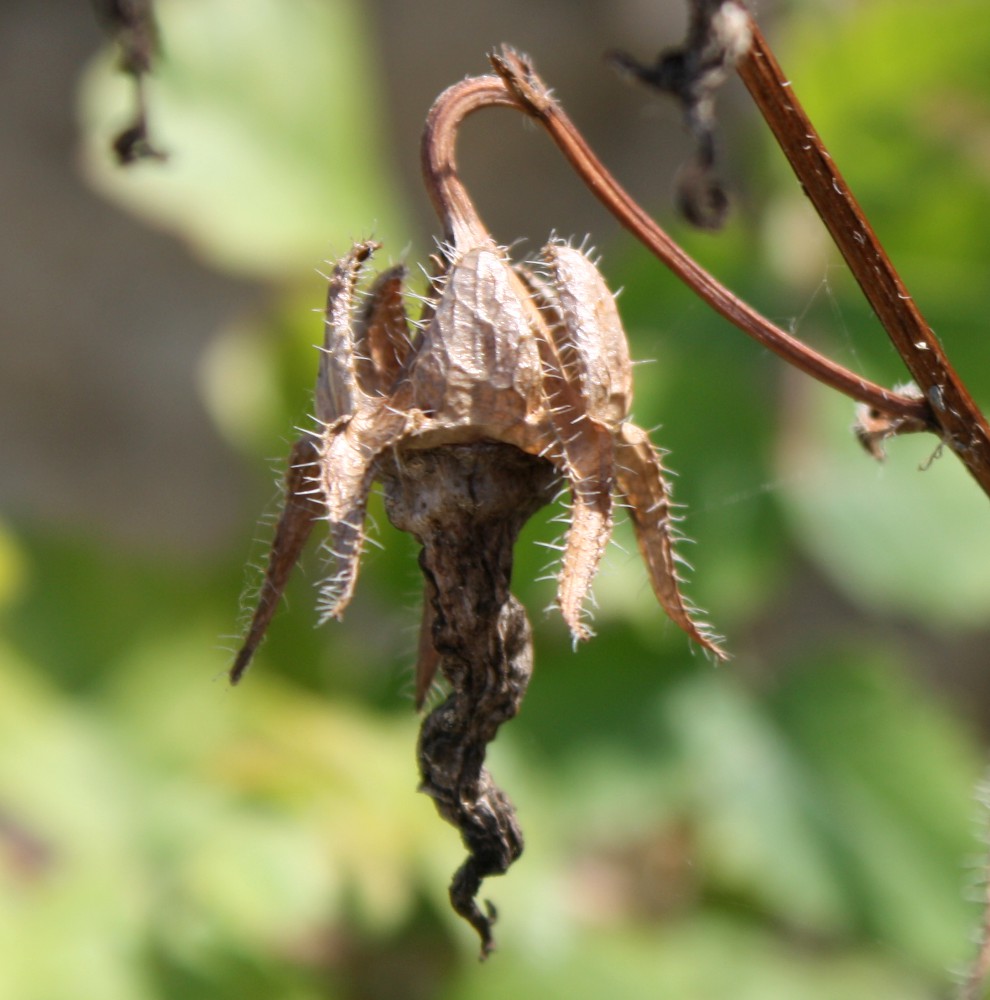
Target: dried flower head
(514, 377)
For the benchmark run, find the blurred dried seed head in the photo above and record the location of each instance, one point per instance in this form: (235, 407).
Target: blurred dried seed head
(718, 36)
(132, 25)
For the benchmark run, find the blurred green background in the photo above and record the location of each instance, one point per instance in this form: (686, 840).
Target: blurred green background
(801, 823)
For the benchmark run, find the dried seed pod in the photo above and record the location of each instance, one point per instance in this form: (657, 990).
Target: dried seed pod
(519, 376)
(588, 333)
(477, 367)
(515, 379)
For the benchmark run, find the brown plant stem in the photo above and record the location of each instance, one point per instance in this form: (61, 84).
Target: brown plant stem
(535, 99)
(955, 416)
(461, 224)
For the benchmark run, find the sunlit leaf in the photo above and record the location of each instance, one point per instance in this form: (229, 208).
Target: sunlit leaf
(892, 776)
(909, 537)
(700, 961)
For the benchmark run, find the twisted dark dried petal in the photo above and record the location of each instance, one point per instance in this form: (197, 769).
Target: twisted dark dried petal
(466, 504)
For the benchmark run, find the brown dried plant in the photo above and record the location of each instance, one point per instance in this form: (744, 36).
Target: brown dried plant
(516, 377)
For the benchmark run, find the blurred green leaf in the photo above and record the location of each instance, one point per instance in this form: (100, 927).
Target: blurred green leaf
(73, 873)
(698, 961)
(893, 786)
(909, 537)
(748, 796)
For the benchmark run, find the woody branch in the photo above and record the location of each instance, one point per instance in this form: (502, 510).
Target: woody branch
(952, 413)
